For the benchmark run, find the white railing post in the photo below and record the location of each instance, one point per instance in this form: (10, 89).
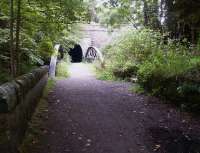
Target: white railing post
(53, 62)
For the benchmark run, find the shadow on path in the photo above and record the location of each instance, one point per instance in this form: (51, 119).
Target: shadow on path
(92, 116)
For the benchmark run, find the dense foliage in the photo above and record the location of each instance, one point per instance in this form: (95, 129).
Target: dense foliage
(180, 18)
(30, 29)
(166, 68)
(162, 49)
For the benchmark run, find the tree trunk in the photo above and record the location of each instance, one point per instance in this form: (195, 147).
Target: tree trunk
(145, 11)
(193, 34)
(17, 49)
(12, 52)
(156, 21)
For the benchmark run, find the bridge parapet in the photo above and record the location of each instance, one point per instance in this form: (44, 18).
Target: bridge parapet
(18, 100)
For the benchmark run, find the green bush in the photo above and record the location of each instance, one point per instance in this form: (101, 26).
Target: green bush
(46, 48)
(130, 49)
(163, 68)
(173, 76)
(62, 69)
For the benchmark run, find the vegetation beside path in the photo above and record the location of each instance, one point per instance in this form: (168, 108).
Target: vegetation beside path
(165, 68)
(62, 69)
(30, 29)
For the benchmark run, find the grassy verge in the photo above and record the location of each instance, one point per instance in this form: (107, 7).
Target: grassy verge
(107, 74)
(136, 88)
(36, 125)
(101, 74)
(62, 70)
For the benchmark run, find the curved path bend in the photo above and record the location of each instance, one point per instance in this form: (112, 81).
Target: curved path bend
(87, 115)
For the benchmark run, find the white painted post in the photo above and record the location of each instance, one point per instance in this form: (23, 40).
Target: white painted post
(52, 66)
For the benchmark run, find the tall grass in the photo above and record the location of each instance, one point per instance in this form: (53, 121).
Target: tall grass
(62, 70)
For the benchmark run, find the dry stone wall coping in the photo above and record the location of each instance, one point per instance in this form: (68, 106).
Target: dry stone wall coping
(18, 100)
(12, 92)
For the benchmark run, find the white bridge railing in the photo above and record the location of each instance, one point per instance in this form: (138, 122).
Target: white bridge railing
(53, 62)
(93, 53)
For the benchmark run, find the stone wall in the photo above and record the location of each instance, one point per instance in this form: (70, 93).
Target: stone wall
(18, 100)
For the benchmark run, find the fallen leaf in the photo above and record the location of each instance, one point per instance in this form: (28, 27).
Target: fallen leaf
(88, 144)
(73, 133)
(156, 147)
(58, 101)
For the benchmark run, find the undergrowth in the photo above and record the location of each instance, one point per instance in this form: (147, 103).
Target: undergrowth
(62, 70)
(166, 68)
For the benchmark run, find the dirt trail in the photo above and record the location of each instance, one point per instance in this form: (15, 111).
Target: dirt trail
(92, 116)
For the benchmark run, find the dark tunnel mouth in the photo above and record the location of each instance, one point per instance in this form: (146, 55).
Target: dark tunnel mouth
(76, 54)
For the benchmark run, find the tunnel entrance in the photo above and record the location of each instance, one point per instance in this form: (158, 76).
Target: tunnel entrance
(76, 54)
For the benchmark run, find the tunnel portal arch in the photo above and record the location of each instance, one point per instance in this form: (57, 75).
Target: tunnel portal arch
(76, 54)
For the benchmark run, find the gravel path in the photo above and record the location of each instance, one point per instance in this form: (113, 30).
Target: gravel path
(92, 116)
(86, 115)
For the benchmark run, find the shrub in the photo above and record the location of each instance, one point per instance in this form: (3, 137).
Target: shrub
(45, 48)
(130, 49)
(174, 76)
(167, 69)
(62, 69)
(164, 66)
